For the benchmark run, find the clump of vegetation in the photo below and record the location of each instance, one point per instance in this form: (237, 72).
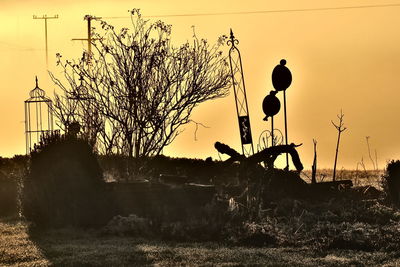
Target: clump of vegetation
(391, 181)
(64, 185)
(116, 168)
(8, 195)
(11, 172)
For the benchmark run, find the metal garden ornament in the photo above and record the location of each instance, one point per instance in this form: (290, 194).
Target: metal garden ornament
(239, 88)
(281, 80)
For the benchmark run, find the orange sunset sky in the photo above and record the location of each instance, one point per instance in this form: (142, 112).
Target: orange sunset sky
(340, 59)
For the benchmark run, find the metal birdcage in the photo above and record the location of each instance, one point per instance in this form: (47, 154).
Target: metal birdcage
(84, 110)
(38, 117)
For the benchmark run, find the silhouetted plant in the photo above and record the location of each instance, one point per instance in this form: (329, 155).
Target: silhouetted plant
(141, 88)
(64, 184)
(391, 181)
(340, 128)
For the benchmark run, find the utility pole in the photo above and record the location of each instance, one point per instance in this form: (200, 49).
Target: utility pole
(45, 17)
(89, 39)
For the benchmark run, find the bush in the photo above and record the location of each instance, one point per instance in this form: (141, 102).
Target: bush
(64, 185)
(11, 172)
(8, 197)
(391, 181)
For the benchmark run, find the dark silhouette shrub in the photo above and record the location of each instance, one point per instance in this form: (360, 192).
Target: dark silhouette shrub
(12, 170)
(8, 196)
(64, 185)
(391, 181)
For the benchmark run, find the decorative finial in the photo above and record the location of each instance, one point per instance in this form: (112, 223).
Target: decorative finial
(232, 40)
(283, 62)
(232, 36)
(36, 81)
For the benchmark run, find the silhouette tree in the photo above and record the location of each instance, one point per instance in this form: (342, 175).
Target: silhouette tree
(141, 89)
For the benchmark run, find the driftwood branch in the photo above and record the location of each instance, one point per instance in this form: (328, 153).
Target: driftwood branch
(268, 154)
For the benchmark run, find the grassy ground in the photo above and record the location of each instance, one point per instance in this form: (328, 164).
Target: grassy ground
(69, 247)
(307, 234)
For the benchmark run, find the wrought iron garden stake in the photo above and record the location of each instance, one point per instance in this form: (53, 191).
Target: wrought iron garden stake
(281, 80)
(239, 89)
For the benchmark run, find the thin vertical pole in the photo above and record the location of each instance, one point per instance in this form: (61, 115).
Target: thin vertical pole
(272, 131)
(286, 132)
(40, 117)
(37, 122)
(51, 117)
(26, 128)
(45, 34)
(29, 128)
(89, 39)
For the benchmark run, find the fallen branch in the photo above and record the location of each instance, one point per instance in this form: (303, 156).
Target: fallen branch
(268, 154)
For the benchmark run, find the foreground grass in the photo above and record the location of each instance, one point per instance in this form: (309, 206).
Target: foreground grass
(68, 247)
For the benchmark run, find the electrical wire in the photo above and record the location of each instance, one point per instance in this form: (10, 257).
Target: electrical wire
(264, 11)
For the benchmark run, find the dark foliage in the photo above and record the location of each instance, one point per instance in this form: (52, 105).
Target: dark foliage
(391, 181)
(123, 168)
(64, 185)
(8, 196)
(11, 172)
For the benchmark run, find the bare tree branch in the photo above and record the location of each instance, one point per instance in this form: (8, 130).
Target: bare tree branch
(143, 88)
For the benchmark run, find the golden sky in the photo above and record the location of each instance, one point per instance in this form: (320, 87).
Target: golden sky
(340, 59)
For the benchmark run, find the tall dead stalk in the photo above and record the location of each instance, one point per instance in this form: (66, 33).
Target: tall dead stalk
(340, 128)
(314, 165)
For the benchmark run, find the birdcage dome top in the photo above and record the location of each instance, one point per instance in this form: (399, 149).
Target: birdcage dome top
(81, 92)
(37, 94)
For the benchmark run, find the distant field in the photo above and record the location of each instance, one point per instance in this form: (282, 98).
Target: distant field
(359, 177)
(90, 248)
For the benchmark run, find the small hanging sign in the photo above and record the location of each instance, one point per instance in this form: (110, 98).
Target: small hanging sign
(245, 132)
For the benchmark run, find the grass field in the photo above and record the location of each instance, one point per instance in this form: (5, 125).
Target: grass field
(307, 234)
(69, 247)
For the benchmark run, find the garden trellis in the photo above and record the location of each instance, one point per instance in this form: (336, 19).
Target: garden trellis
(239, 89)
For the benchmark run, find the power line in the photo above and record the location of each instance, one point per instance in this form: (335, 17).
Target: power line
(265, 11)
